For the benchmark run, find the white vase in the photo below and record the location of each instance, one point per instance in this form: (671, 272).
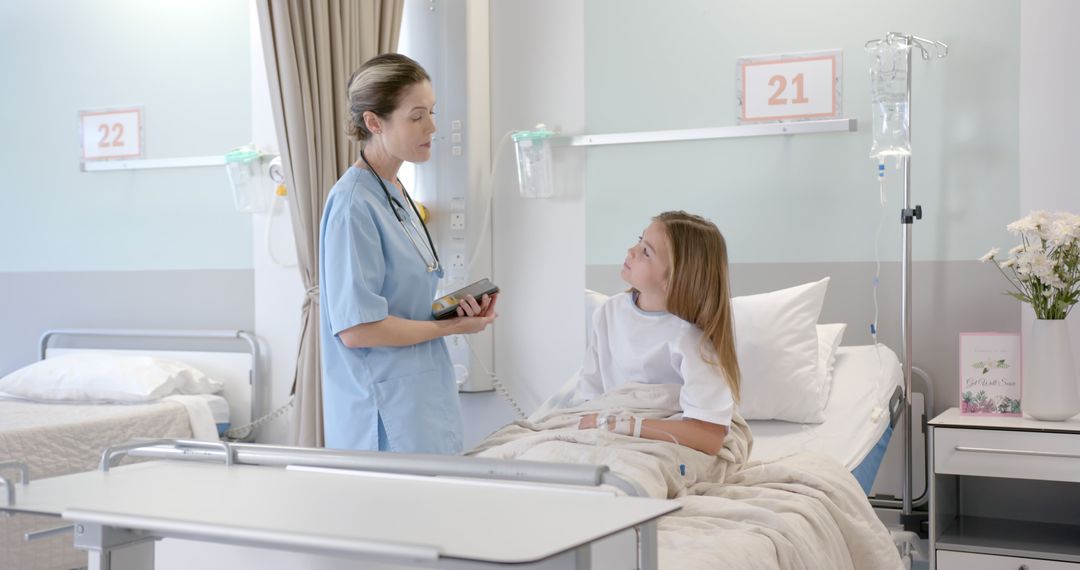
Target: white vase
(1051, 388)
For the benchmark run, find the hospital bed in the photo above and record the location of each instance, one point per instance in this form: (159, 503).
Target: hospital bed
(388, 510)
(60, 438)
(864, 405)
(862, 410)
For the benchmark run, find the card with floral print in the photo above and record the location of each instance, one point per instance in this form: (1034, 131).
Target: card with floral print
(990, 374)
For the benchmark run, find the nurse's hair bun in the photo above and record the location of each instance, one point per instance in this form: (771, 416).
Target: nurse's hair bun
(378, 86)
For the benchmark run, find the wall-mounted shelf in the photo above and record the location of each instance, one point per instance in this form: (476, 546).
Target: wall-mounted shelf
(186, 162)
(757, 130)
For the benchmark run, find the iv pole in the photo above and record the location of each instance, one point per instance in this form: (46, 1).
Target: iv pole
(908, 215)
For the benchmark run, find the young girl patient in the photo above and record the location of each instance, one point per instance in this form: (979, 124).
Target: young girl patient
(674, 326)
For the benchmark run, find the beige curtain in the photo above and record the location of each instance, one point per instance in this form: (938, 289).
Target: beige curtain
(312, 48)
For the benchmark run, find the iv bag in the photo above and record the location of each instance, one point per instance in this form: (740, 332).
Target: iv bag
(534, 162)
(889, 98)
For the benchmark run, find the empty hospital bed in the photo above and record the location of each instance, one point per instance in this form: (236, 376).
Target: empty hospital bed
(55, 435)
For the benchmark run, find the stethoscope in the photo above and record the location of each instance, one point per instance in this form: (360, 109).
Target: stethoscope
(433, 265)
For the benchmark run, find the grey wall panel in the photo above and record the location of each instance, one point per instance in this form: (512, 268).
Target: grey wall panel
(31, 303)
(948, 297)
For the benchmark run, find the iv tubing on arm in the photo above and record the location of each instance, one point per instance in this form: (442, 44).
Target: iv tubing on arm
(703, 436)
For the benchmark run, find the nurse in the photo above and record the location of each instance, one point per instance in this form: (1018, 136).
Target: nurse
(388, 383)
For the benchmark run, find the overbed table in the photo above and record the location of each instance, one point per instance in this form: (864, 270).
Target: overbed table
(421, 521)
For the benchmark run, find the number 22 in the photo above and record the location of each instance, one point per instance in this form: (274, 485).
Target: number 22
(117, 139)
(776, 99)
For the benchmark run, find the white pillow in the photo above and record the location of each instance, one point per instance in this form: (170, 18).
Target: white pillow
(777, 344)
(96, 377)
(829, 337)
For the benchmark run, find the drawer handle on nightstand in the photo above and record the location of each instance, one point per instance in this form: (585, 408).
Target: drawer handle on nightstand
(1018, 452)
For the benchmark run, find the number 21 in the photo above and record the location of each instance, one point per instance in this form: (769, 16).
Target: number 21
(776, 99)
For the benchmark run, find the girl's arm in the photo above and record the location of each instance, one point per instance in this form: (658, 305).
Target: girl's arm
(395, 331)
(703, 436)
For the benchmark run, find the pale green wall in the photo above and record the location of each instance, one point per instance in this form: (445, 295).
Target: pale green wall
(187, 64)
(671, 65)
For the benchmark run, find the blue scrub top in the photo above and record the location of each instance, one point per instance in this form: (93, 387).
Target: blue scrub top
(387, 398)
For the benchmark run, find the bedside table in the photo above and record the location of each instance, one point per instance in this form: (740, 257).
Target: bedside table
(1004, 494)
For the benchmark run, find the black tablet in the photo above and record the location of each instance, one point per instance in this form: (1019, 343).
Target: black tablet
(445, 307)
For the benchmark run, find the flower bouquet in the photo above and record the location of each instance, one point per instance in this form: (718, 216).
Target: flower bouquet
(1044, 271)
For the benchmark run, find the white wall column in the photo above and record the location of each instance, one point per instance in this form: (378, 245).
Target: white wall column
(538, 75)
(1049, 123)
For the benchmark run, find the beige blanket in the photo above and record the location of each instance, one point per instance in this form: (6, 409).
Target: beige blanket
(799, 512)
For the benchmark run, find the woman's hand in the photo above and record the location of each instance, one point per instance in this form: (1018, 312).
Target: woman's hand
(588, 421)
(474, 317)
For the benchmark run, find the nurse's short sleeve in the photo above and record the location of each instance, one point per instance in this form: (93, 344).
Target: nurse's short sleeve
(354, 267)
(705, 394)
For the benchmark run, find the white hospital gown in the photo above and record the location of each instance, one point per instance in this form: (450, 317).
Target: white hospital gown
(629, 345)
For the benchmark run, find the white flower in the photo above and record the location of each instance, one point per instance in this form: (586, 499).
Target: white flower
(1025, 260)
(1046, 263)
(1072, 221)
(1041, 266)
(1064, 230)
(1023, 226)
(989, 255)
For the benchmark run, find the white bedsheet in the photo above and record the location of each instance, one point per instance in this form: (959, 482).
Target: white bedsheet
(57, 439)
(855, 418)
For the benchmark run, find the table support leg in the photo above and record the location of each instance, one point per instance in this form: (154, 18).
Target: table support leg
(647, 546)
(114, 549)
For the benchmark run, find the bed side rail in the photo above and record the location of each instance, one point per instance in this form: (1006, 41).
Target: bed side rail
(396, 463)
(896, 405)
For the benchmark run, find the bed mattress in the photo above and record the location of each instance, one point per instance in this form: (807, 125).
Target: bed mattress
(856, 417)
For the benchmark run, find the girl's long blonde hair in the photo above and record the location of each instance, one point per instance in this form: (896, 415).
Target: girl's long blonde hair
(699, 290)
